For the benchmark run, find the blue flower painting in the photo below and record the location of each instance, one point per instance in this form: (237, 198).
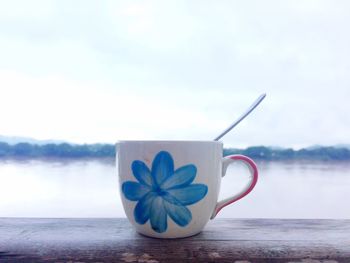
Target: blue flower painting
(163, 191)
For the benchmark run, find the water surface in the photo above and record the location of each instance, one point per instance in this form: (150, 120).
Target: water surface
(89, 188)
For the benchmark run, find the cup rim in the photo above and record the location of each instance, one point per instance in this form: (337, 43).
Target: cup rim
(168, 141)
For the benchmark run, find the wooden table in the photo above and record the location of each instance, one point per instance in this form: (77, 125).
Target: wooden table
(224, 240)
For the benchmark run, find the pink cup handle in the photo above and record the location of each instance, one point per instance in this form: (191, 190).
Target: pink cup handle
(247, 189)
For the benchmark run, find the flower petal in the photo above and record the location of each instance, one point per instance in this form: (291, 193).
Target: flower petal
(158, 215)
(190, 194)
(134, 191)
(141, 172)
(181, 177)
(170, 199)
(162, 167)
(143, 208)
(180, 214)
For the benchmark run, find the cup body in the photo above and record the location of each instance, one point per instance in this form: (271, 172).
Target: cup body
(169, 189)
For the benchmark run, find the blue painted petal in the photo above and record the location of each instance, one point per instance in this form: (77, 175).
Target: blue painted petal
(141, 172)
(170, 199)
(134, 191)
(143, 208)
(190, 194)
(158, 215)
(180, 214)
(181, 177)
(162, 167)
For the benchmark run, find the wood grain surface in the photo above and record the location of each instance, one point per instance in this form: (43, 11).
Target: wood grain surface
(223, 240)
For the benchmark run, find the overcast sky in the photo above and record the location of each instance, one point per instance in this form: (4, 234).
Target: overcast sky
(99, 71)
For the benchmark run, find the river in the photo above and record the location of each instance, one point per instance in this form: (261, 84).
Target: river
(89, 188)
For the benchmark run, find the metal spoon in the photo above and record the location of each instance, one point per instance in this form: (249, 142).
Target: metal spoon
(245, 114)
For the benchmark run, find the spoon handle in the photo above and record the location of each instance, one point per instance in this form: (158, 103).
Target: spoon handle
(250, 109)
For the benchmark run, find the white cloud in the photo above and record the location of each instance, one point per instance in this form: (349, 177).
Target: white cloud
(100, 71)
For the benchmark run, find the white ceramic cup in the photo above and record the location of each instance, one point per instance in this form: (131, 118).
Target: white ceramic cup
(170, 189)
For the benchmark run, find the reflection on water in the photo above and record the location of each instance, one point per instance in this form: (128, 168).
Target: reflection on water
(89, 188)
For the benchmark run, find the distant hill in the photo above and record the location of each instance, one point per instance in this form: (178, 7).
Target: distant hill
(12, 140)
(347, 146)
(60, 150)
(320, 153)
(66, 150)
(317, 146)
